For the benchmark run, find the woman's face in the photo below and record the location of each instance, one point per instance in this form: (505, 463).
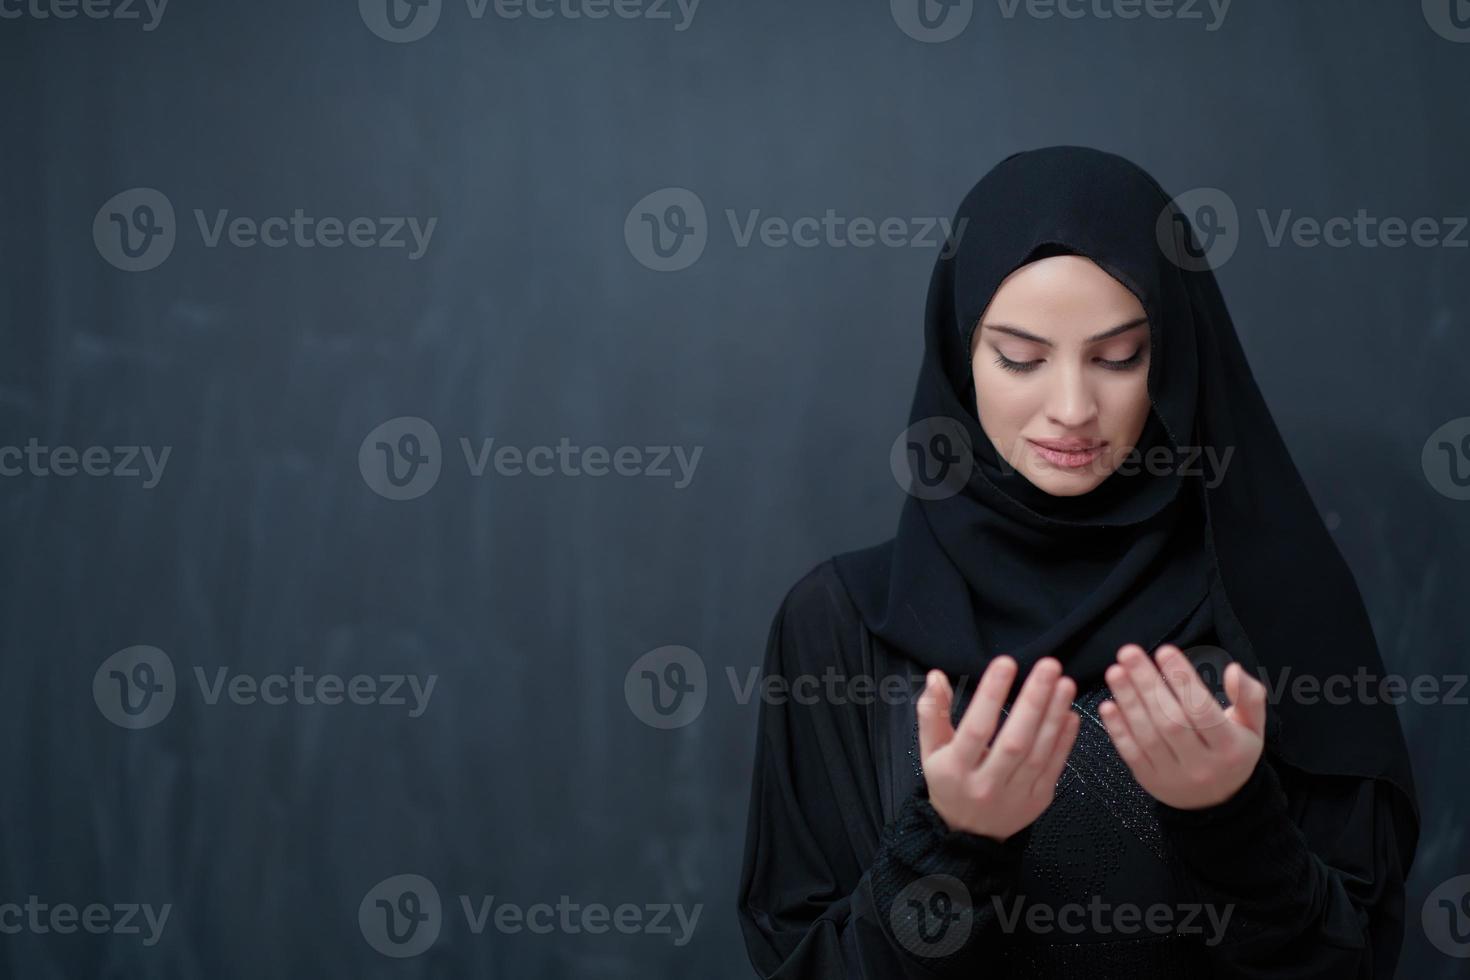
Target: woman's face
(1060, 361)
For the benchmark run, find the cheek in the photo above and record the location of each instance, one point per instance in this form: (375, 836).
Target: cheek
(1128, 405)
(1003, 400)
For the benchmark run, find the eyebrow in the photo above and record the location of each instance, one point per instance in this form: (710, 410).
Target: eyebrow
(1025, 335)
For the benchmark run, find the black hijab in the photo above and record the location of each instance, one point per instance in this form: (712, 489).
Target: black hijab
(984, 562)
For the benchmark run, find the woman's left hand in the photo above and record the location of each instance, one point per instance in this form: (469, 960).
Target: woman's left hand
(1182, 747)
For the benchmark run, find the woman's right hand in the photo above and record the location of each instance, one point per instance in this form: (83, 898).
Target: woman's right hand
(995, 790)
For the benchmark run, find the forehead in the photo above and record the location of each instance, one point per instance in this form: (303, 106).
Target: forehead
(1062, 292)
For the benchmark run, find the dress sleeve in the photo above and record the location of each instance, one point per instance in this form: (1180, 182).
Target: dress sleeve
(828, 890)
(1309, 868)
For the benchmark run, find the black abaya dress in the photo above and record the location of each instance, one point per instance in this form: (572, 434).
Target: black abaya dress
(849, 872)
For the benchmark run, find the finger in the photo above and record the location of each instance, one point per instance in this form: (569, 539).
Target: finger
(935, 704)
(972, 737)
(1247, 698)
(1061, 751)
(1128, 748)
(1013, 743)
(1057, 711)
(1128, 698)
(1164, 710)
(1199, 709)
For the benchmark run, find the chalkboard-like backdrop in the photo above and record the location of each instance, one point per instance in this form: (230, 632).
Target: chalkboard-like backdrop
(364, 448)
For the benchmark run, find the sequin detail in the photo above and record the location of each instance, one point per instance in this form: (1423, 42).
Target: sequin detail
(1078, 848)
(1135, 959)
(1094, 775)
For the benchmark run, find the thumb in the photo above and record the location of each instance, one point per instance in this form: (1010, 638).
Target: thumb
(935, 703)
(1247, 699)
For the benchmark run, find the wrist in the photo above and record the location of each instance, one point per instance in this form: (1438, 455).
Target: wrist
(1260, 787)
(960, 836)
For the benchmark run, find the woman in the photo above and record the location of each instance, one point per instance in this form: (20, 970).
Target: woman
(1099, 488)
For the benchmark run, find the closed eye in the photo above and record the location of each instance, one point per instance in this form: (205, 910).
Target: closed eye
(1124, 364)
(1026, 367)
(1017, 367)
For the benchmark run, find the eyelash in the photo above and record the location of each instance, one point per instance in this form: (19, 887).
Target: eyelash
(1026, 367)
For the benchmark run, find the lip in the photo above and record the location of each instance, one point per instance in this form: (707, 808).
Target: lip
(1068, 453)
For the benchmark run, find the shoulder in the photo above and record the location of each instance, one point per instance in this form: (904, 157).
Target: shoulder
(842, 583)
(818, 619)
(818, 595)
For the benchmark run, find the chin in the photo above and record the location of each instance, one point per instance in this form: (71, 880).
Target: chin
(1060, 484)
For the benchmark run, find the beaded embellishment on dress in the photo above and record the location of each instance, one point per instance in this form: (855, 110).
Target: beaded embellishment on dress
(1077, 850)
(1095, 776)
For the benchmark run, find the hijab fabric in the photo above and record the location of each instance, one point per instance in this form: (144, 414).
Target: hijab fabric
(988, 563)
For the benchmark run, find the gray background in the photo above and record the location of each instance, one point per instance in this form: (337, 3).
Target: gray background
(529, 319)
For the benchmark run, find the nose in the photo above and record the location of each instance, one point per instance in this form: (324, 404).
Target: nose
(1071, 403)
